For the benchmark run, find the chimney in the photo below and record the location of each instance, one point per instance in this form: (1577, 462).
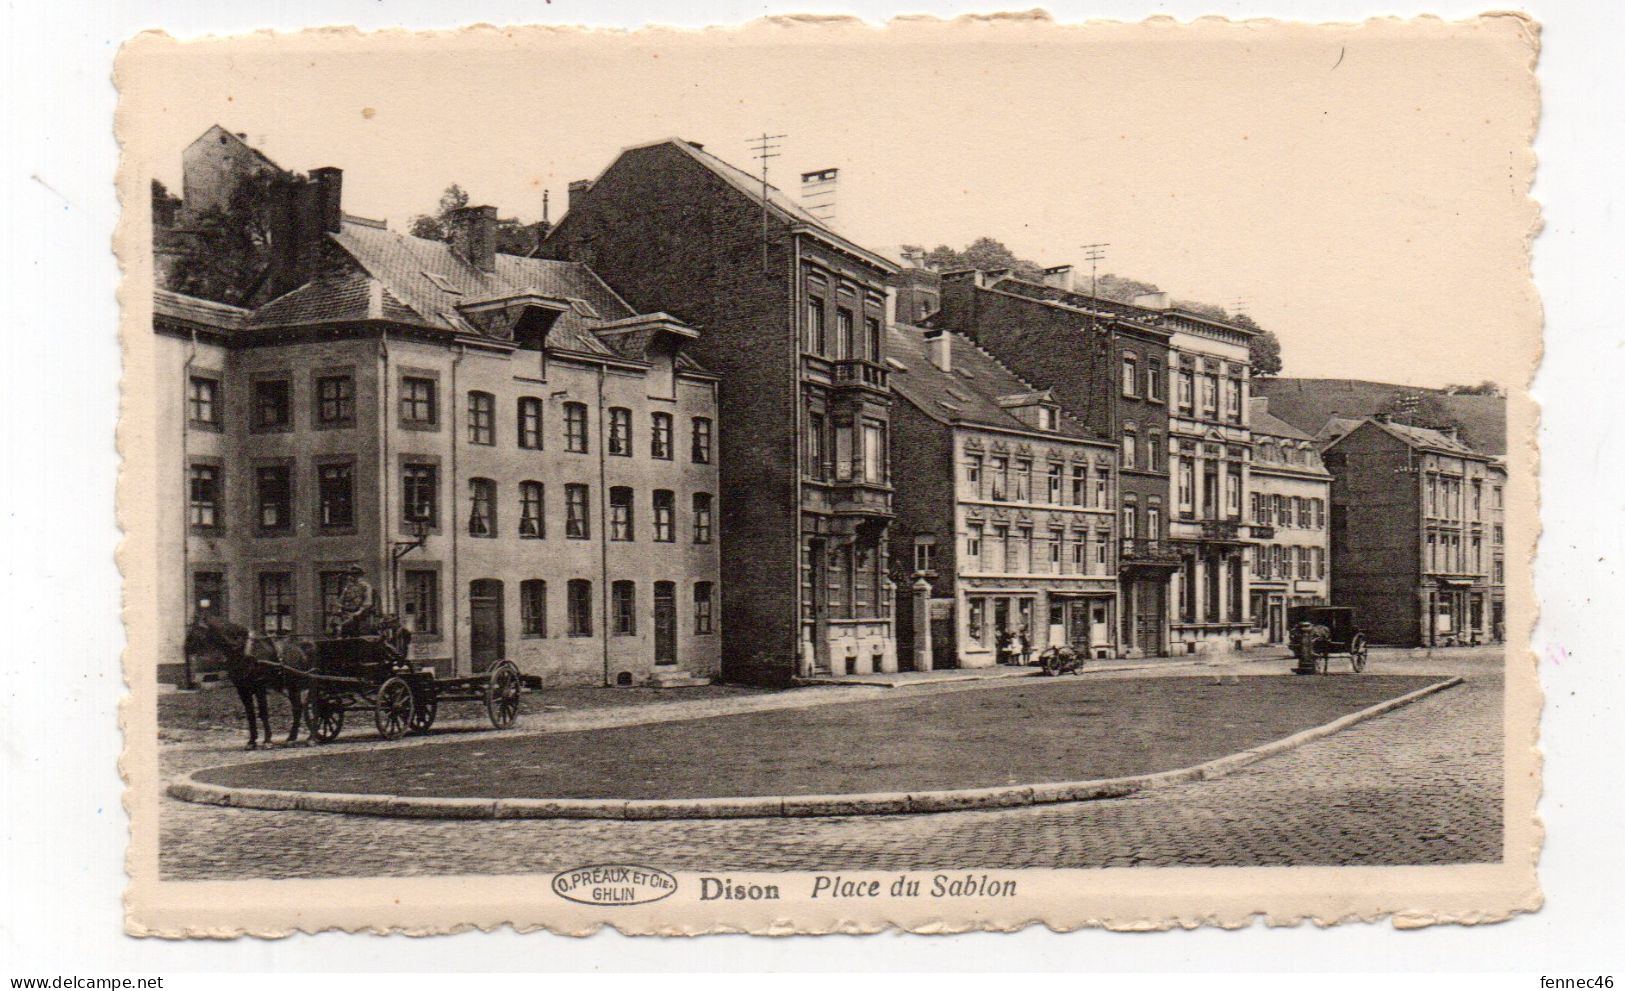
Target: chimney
(1153, 301)
(578, 189)
(939, 346)
(818, 193)
(474, 235)
(1059, 276)
(329, 197)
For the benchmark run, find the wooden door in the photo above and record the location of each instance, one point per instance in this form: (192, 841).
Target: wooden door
(487, 643)
(665, 623)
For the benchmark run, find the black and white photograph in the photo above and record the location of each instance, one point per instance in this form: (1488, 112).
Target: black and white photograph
(815, 477)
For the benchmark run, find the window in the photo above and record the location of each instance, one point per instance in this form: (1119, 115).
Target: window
(203, 402)
(1080, 552)
(1153, 379)
(1187, 390)
(1080, 485)
(1131, 376)
(815, 326)
(664, 505)
(530, 423)
(1187, 486)
(1055, 486)
(1500, 534)
(1258, 508)
(815, 446)
(335, 400)
(1153, 451)
(623, 608)
(973, 474)
(580, 607)
(419, 496)
(973, 543)
(482, 415)
(1056, 539)
(999, 470)
(273, 488)
(335, 499)
(1261, 561)
(700, 444)
(976, 621)
(1048, 418)
(1102, 496)
(1232, 398)
(532, 510)
(533, 608)
(844, 342)
(273, 404)
(210, 587)
(1500, 572)
(1320, 514)
(1100, 552)
(1021, 490)
(871, 332)
(418, 402)
(1210, 396)
(1153, 522)
(702, 517)
(482, 507)
(577, 517)
(420, 601)
(620, 431)
(874, 452)
(1232, 493)
(276, 603)
(1130, 450)
(1129, 514)
(620, 513)
(703, 615)
(575, 428)
(1495, 496)
(925, 554)
(204, 495)
(660, 436)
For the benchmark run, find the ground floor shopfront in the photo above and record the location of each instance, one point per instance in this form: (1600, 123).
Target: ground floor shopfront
(1456, 611)
(1211, 609)
(993, 622)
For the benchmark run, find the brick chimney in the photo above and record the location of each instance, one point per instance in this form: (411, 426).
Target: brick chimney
(474, 235)
(578, 189)
(301, 212)
(939, 346)
(1059, 276)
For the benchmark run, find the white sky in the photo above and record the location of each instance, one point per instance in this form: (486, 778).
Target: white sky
(1357, 186)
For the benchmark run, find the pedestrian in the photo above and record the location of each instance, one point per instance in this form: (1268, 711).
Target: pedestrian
(1005, 641)
(1026, 645)
(355, 604)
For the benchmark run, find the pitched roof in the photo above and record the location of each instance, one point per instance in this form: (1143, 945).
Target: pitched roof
(1309, 403)
(191, 309)
(1265, 422)
(1423, 437)
(778, 201)
(971, 393)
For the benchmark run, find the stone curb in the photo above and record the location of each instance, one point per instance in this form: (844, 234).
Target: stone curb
(188, 789)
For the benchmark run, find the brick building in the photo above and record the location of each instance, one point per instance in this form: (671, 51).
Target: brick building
(1009, 511)
(1412, 533)
(1106, 364)
(793, 318)
(525, 467)
(1289, 497)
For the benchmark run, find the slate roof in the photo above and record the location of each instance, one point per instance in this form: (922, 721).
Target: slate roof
(191, 309)
(970, 393)
(1309, 403)
(1265, 422)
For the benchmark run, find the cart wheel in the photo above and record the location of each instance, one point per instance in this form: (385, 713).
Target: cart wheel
(1051, 664)
(1357, 652)
(503, 686)
(392, 713)
(324, 717)
(423, 712)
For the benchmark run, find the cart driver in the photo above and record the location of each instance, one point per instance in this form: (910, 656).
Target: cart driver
(355, 603)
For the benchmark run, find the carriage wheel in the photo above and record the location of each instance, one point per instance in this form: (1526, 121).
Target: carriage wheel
(1357, 652)
(424, 707)
(393, 711)
(324, 717)
(503, 686)
(1051, 662)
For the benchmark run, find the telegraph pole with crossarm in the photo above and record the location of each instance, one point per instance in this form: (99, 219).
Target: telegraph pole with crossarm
(764, 148)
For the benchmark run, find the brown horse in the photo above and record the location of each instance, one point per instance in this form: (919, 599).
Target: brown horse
(256, 666)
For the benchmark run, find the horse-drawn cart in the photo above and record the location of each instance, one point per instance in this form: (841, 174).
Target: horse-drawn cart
(369, 673)
(1320, 633)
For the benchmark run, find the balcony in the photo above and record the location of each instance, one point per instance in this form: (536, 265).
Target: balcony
(857, 497)
(860, 373)
(1260, 532)
(1221, 531)
(1147, 553)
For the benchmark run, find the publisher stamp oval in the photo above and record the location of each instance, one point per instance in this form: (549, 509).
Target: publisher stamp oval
(614, 884)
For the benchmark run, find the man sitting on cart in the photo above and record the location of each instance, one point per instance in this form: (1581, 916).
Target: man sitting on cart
(356, 608)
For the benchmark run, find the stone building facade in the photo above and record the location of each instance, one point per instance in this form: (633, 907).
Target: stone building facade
(525, 467)
(794, 318)
(1288, 503)
(1009, 511)
(1412, 533)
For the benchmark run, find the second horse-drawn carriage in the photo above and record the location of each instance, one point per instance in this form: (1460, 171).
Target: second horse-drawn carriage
(1320, 633)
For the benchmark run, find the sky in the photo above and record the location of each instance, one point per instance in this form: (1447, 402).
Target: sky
(1362, 188)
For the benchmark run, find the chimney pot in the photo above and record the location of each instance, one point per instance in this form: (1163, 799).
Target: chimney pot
(474, 235)
(1059, 276)
(578, 189)
(1152, 301)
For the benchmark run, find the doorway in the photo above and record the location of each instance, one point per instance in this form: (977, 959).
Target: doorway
(665, 623)
(486, 641)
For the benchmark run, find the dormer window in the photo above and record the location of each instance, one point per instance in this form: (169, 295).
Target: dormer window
(441, 282)
(1048, 418)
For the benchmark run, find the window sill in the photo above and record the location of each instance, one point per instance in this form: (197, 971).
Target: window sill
(213, 428)
(334, 425)
(580, 636)
(285, 428)
(284, 531)
(421, 426)
(533, 636)
(338, 530)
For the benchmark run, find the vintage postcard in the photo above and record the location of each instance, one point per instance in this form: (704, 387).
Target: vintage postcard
(812, 476)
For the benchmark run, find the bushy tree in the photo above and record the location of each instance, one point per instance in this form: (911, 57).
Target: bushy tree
(984, 254)
(512, 237)
(1484, 388)
(223, 254)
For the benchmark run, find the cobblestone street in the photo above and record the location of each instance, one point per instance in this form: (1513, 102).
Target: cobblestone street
(1421, 785)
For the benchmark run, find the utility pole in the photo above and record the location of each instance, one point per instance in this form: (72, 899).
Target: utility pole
(1094, 254)
(764, 149)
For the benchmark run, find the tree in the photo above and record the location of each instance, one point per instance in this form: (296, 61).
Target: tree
(222, 254)
(1264, 350)
(1484, 388)
(512, 237)
(985, 254)
(1420, 408)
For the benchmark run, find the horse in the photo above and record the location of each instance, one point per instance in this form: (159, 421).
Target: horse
(256, 666)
